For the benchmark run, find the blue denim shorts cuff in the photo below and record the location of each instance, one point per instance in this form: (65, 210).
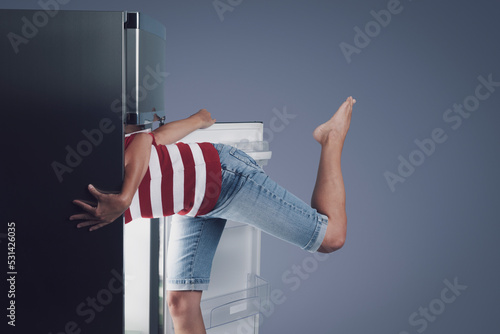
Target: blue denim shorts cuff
(188, 284)
(319, 234)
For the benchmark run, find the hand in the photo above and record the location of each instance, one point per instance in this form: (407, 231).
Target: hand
(109, 208)
(205, 118)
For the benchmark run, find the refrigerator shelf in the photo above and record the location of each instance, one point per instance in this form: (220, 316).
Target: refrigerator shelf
(224, 309)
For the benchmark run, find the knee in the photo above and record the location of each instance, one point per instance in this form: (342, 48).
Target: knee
(334, 239)
(330, 245)
(182, 304)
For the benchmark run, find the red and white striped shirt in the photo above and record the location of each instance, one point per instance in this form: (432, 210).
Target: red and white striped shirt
(181, 179)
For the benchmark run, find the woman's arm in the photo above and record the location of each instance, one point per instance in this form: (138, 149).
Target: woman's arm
(174, 131)
(136, 165)
(111, 206)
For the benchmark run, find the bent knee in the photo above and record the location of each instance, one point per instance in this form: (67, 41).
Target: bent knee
(331, 244)
(183, 303)
(335, 235)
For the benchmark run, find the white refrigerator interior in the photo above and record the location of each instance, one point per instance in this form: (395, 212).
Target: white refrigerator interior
(136, 238)
(237, 293)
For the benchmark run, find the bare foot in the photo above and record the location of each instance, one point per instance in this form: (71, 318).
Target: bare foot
(335, 129)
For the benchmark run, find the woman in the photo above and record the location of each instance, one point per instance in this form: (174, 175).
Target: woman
(209, 183)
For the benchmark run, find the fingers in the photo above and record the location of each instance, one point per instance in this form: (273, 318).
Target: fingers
(85, 206)
(89, 221)
(96, 193)
(95, 225)
(98, 226)
(91, 217)
(86, 223)
(83, 216)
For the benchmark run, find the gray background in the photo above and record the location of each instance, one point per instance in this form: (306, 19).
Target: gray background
(440, 224)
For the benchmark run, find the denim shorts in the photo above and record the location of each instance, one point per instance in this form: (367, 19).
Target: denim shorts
(249, 196)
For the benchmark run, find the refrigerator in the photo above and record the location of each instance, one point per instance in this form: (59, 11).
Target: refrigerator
(69, 81)
(237, 293)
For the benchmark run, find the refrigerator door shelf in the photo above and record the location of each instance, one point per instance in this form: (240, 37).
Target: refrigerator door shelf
(261, 157)
(247, 136)
(228, 133)
(238, 305)
(219, 312)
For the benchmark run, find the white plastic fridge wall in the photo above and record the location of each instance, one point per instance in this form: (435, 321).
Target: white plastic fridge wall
(136, 256)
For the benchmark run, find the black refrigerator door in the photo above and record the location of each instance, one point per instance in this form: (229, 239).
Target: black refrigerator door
(61, 74)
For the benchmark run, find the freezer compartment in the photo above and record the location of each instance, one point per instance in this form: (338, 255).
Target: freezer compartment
(224, 309)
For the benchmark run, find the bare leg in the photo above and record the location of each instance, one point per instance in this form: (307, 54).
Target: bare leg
(184, 307)
(329, 192)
